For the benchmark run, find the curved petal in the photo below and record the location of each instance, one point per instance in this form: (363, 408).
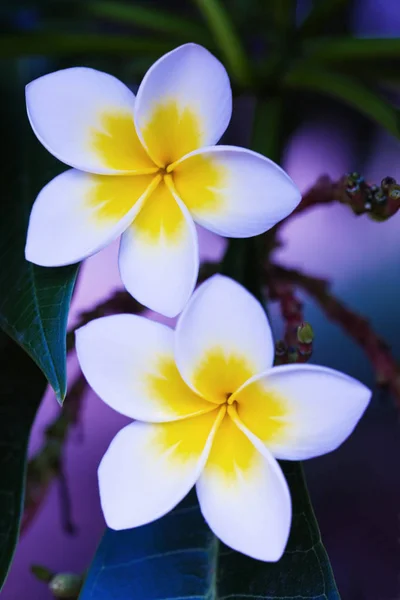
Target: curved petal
(77, 214)
(85, 118)
(233, 191)
(244, 496)
(128, 361)
(149, 468)
(159, 257)
(222, 339)
(184, 102)
(302, 411)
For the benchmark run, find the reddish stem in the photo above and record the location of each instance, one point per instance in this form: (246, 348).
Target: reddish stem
(386, 369)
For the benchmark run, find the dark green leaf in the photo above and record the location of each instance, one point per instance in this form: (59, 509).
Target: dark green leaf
(177, 557)
(321, 12)
(351, 48)
(34, 301)
(226, 38)
(22, 386)
(283, 13)
(268, 138)
(68, 44)
(348, 90)
(150, 17)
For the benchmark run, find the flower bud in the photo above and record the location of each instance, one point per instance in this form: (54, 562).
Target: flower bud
(66, 585)
(305, 333)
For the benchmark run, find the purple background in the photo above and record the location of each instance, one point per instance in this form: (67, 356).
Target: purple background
(356, 490)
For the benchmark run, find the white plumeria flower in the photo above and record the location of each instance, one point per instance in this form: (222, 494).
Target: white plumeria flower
(211, 411)
(146, 167)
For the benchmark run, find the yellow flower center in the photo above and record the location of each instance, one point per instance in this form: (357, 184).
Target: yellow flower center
(169, 135)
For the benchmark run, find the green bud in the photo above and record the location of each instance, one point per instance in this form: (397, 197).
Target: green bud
(42, 573)
(292, 354)
(394, 192)
(66, 585)
(305, 333)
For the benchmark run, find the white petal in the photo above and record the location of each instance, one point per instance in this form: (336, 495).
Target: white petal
(184, 102)
(316, 409)
(129, 362)
(222, 338)
(159, 257)
(244, 496)
(85, 118)
(233, 191)
(77, 214)
(149, 468)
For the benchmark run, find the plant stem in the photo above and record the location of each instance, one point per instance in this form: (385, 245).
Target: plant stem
(386, 369)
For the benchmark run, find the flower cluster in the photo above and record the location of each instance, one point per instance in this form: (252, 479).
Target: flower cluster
(209, 408)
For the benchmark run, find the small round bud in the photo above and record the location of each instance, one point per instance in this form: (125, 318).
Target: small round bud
(280, 348)
(379, 197)
(353, 183)
(394, 192)
(387, 181)
(292, 354)
(65, 585)
(305, 333)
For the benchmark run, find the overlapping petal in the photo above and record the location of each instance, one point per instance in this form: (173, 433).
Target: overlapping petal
(233, 191)
(302, 411)
(85, 118)
(159, 257)
(149, 468)
(184, 102)
(128, 361)
(77, 214)
(222, 338)
(243, 494)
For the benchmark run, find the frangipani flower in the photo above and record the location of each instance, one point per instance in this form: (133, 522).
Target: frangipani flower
(211, 411)
(147, 168)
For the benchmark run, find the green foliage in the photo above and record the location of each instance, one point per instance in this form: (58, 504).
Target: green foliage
(21, 390)
(150, 18)
(320, 14)
(71, 44)
(348, 90)
(34, 301)
(226, 38)
(332, 50)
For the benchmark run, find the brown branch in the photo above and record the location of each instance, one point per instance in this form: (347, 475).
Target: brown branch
(386, 369)
(46, 465)
(379, 202)
(297, 342)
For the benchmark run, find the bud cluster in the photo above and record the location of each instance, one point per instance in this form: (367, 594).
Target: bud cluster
(379, 202)
(297, 344)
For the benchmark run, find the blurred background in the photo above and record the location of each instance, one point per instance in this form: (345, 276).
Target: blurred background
(356, 490)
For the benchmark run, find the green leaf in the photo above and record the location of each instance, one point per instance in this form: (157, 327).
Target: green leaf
(22, 387)
(348, 90)
(150, 17)
(350, 48)
(283, 13)
(34, 301)
(179, 557)
(268, 138)
(320, 14)
(68, 44)
(228, 41)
